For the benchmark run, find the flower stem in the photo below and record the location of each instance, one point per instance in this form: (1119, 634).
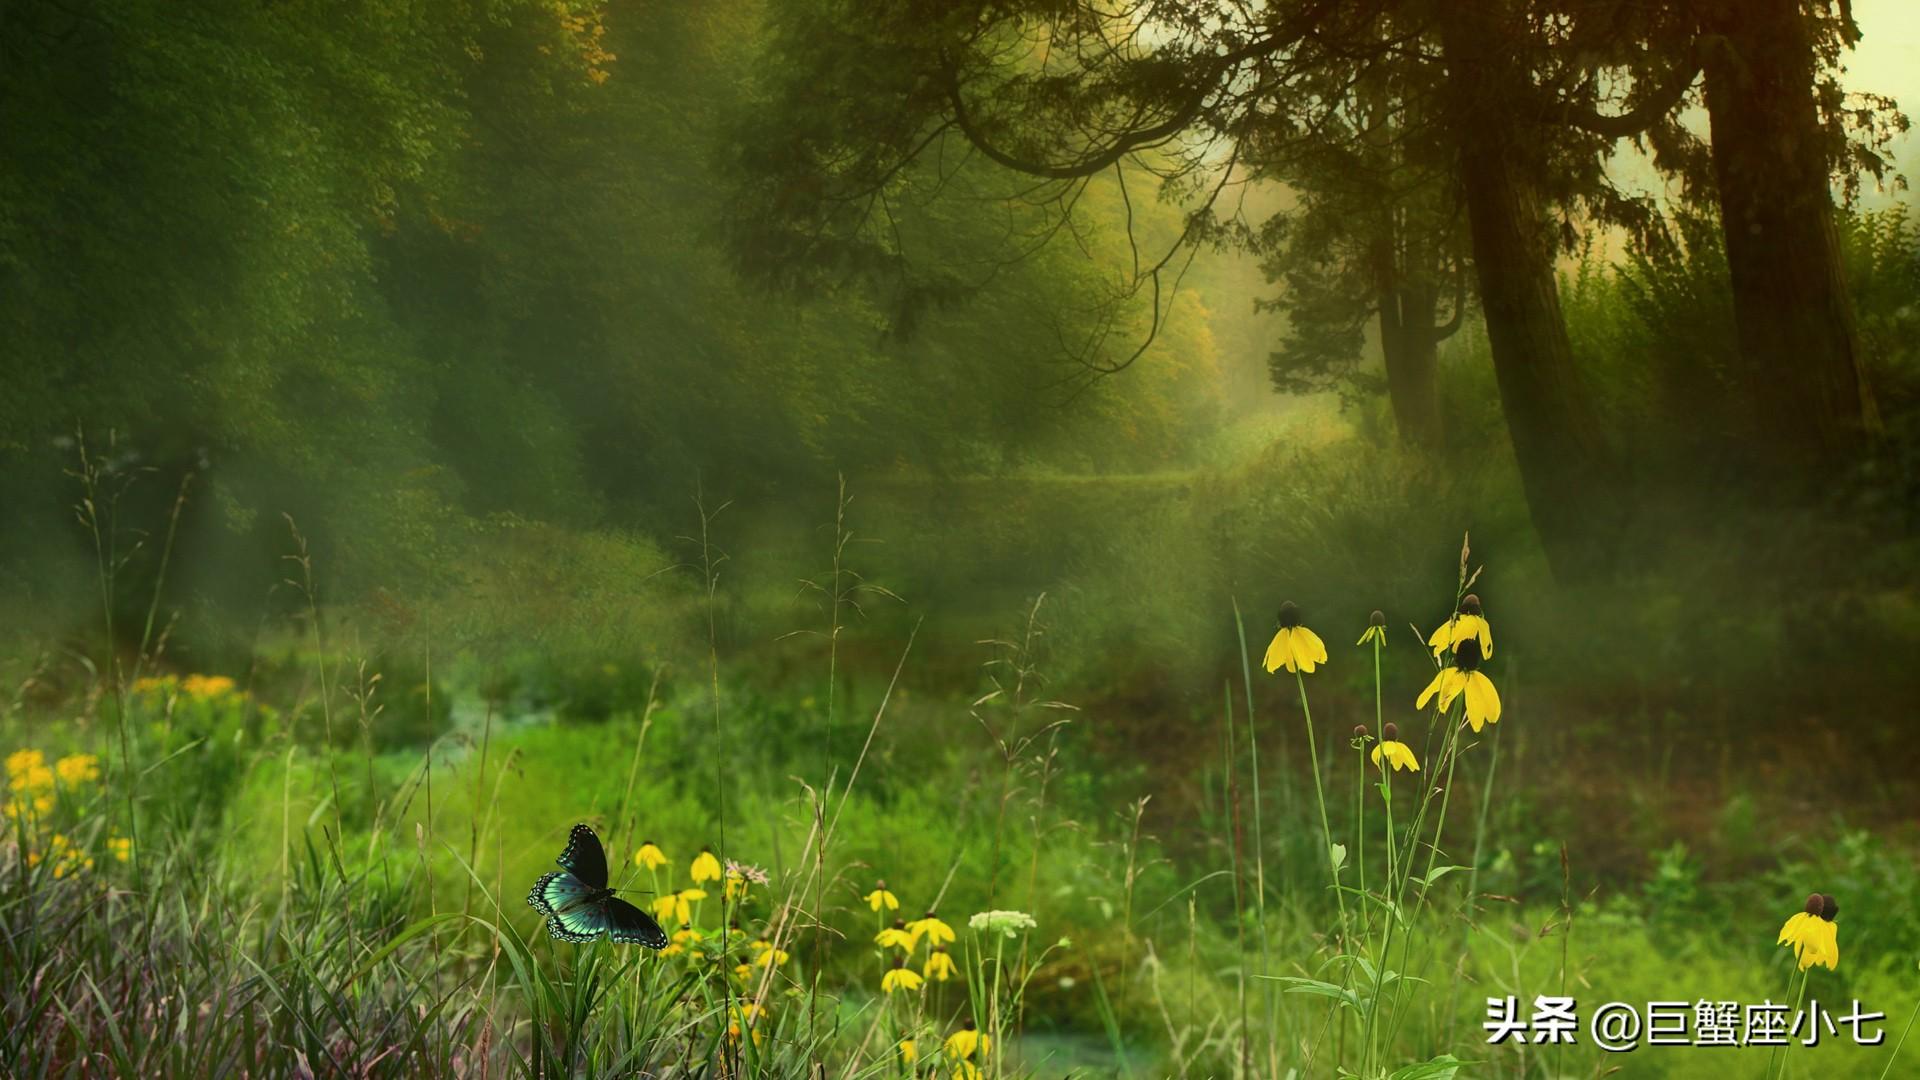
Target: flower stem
(1895, 1056)
(1320, 796)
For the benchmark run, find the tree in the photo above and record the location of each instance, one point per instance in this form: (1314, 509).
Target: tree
(1376, 234)
(1064, 93)
(1770, 75)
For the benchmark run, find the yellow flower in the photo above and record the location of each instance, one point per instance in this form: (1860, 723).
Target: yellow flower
(705, 867)
(1812, 934)
(769, 955)
(204, 687)
(21, 762)
(909, 1051)
(1468, 624)
(932, 928)
(121, 847)
(1463, 677)
(749, 1014)
(76, 769)
(896, 937)
(1294, 647)
(899, 977)
(962, 1044)
(966, 1070)
(1376, 629)
(150, 684)
(650, 856)
(673, 950)
(736, 884)
(1397, 754)
(939, 964)
(741, 970)
(880, 898)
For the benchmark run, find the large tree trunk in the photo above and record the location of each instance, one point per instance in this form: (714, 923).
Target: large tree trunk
(1798, 341)
(1409, 343)
(1564, 460)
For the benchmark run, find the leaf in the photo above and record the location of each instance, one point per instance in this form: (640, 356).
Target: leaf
(1337, 855)
(1440, 872)
(1297, 985)
(1441, 1068)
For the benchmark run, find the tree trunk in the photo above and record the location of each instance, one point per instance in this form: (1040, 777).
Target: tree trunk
(1410, 344)
(1794, 315)
(1565, 464)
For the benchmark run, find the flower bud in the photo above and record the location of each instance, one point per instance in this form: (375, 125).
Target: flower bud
(1359, 731)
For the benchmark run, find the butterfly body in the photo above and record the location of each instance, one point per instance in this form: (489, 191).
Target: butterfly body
(580, 907)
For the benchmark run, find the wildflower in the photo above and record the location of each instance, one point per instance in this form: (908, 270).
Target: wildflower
(120, 847)
(1467, 624)
(76, 769)
(705, 867)
(964, 1043)
(1463, 677)
(736, 884)
(940, 966)
(1009, 923)
(27, 771)
(749, 1015)
(769, 956)
(1294, 647)
(678, 905)
(650, 856)
(909, 1051)
(1360, 736)
(1376, 629)
(899, 977)
(896, 937)
(152, 684)
(933, 927)
(205, 687)
(751, 873)
(742, 970)
(880, 897)
(1397, 754)
(1814, 938)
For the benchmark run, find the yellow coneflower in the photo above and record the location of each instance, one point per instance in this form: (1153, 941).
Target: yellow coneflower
(967, 1070)
(964, 1043)
(1376, 629)
(750, 1015)
(899, 977)
(1294, 647)
(771, 956)
(736, 884)
(1812, 934)
(896, 937)
(77, 769)
(909, 1051)
(705, 867)
(881, 897)
(679, 905)
(1469, 623)
(650, 856)
(1397, 754)
(1464, 677)
(940, 966)
(932, 928)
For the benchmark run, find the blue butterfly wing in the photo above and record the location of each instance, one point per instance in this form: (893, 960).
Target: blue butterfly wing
(628, 925)
(567, 902)
(585, 857)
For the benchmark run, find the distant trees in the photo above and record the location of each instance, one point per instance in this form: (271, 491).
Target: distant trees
(1403, 127)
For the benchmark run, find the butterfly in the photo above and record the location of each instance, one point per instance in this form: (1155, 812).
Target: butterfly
(578, 905)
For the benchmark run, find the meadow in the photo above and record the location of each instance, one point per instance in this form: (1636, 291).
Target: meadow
(314, 863)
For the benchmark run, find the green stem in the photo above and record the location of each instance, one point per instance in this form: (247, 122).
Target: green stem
(1895, 1056)
(1320, 796)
